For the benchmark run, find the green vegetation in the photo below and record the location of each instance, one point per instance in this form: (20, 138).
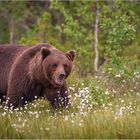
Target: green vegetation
(95, 113)
(105, 104)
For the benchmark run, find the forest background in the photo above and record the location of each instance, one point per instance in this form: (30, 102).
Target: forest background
(106, 37)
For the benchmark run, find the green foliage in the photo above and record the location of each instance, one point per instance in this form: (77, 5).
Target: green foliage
(11, 10)
(123, 66)
(4, 31)
(70, 25)
(40, 32)
(75, 19)
(132, 51)
(118, 28)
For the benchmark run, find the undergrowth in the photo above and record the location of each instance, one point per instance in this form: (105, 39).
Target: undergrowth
(96, 112)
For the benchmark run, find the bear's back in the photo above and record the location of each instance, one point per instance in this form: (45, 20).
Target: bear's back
(8, 54)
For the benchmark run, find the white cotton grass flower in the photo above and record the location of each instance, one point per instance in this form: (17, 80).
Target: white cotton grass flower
(118, 75)
(47, 128)
(72, 121)
(66, 118)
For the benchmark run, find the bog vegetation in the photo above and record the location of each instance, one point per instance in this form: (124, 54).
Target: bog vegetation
(105, 84)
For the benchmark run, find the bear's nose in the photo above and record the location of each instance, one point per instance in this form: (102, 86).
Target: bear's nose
(61, 76)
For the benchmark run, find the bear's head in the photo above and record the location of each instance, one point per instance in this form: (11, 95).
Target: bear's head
(56, 65)
(51, 66)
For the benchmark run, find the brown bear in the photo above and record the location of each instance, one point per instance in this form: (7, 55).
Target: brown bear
(29, 73)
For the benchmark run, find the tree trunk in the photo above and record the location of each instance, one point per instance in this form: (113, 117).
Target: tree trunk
(96, 39)
(11, 30)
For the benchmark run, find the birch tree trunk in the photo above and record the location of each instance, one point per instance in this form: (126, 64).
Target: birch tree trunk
(96, 39)
(11, 30)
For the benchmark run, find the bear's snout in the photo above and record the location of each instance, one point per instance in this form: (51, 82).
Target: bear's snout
(62, 76)
(58, 79)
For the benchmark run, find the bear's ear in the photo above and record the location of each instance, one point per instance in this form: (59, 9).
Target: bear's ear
(71, 54)
(45, 52)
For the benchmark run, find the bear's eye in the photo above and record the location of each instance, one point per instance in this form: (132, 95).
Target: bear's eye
(54, 65)
(65, 65)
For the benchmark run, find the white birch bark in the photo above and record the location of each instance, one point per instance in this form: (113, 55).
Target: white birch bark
(96, 39)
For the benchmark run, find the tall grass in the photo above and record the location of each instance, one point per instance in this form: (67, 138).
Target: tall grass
(115, 120)
(95, 113)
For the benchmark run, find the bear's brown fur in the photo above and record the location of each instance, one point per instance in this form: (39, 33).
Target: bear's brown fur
(30, 73)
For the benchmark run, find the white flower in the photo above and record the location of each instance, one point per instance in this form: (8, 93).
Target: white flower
(80, 124)
(122, 101)
(3, 114)
(118, 76)
(66, 118)
(47, 128)
(72, 121)
(35, 97)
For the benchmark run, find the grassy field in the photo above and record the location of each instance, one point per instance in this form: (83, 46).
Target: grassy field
(95, 113)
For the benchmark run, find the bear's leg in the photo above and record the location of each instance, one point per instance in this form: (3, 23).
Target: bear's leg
(17, 95)
(27, 92)
(2, 98)
(18, 87)
(58, 97)
(12, 101)
(64, 99)
(35, 92)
